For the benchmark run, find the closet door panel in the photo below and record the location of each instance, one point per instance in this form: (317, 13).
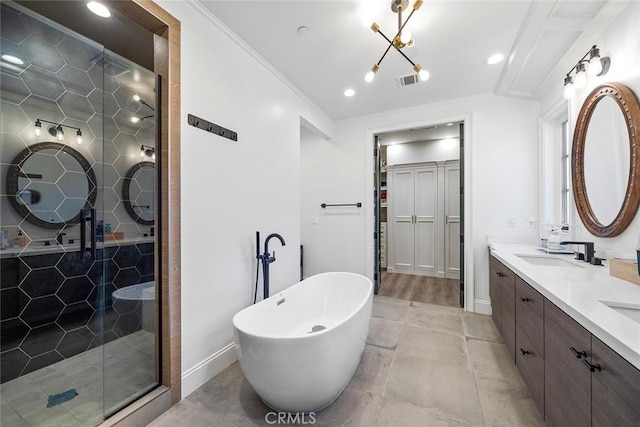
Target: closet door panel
(403, 193)
(426, 211)
(452, 219)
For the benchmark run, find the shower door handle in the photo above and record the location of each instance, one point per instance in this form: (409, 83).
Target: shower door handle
(94, 225)
(83, 232)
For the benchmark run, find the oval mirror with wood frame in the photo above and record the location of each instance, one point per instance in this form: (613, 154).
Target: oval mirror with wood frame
(606, 160)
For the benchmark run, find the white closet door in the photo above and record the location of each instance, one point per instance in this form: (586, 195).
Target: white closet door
(403, 240)
(452, 220)
(426, 209)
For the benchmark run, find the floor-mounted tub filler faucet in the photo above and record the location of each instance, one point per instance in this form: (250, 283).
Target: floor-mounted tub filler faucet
(266, 258)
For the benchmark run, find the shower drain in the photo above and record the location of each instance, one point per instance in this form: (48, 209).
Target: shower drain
(317, 328)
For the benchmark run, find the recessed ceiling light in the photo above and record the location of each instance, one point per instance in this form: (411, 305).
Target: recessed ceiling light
(13, 59)
(494, 59)
(349, 92)
(99, 9)
(449, 124)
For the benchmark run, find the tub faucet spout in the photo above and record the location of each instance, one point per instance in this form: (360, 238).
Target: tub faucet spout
(266, 258)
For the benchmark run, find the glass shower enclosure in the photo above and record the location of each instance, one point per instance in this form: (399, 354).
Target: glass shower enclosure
(78, 313)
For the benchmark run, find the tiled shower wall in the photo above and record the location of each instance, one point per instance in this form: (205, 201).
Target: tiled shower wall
(62, 81)
(52, 304)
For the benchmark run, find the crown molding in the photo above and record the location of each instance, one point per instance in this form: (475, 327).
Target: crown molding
(206, 13)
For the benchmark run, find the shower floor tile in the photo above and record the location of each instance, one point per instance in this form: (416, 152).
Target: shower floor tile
(446, 370)
(125, 363)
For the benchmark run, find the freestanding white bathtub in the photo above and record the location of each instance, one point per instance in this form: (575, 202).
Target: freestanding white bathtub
(299, 348)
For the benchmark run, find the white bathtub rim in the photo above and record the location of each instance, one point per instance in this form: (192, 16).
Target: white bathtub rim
(314, 334)
(122, 293)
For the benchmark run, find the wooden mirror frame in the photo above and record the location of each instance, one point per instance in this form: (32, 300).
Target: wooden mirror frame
(626, 100)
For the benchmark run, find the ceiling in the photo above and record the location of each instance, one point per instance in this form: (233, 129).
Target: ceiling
(453, 40)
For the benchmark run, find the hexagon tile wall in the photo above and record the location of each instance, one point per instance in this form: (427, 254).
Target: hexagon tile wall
(60, 304)
(57, 304)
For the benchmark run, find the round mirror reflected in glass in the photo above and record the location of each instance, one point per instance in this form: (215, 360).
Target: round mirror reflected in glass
(50, 183)
(138, 192)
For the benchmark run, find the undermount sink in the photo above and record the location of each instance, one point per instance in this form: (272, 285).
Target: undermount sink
(547, 261)
(632, 311)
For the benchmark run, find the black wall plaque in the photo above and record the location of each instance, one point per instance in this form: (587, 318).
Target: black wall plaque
(211, 127)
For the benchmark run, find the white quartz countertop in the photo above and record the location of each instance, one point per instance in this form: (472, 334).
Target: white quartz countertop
(579, 292)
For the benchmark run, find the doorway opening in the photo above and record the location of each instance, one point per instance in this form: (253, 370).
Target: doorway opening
(419, 214)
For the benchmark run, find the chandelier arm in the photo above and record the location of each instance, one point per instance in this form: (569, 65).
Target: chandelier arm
(384, 54)
(406, 57)
(385, 37)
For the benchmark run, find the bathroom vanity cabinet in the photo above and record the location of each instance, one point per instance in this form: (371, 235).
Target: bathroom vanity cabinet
(502, 292)
(573, 377)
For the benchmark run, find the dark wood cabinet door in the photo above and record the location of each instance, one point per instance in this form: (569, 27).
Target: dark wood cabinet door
(508, 315)
(567, 381)
(615, 399)
(530, 363)
(529, 312)
(494, 291)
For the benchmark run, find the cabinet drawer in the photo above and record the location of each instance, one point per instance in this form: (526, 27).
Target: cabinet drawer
(530, 363)
(615, 388)
(529, 313)
(567, 382)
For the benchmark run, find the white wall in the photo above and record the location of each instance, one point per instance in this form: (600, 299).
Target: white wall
(501, 150)
(424, 151)
(231, 189)
(620, 42)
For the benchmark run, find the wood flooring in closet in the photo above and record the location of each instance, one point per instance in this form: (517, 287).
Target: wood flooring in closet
(433, 290)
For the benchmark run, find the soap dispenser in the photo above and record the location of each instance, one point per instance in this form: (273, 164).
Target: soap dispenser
(554, 240)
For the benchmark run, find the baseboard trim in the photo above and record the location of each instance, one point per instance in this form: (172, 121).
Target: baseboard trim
(482, 306)
(195, 377)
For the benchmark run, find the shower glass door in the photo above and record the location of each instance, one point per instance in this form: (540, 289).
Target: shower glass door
(77, 151)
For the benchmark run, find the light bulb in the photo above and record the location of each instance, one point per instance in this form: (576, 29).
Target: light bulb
(595, 66)
(136, 97)
(569, 90)
(37, 128)
(424, 75)
(99, 9)
(141, 151)
(405, 37)
(79, 137)
(153, 156)
(581, 76)
(369, 76)
(134, 119)
(13, 59)
(59, 133)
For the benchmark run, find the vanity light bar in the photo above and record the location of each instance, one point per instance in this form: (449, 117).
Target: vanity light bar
(594, 65)
(56, 130)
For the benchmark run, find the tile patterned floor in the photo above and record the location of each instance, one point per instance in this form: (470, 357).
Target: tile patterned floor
(130, 369)
(424, 365)
(433, 290)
